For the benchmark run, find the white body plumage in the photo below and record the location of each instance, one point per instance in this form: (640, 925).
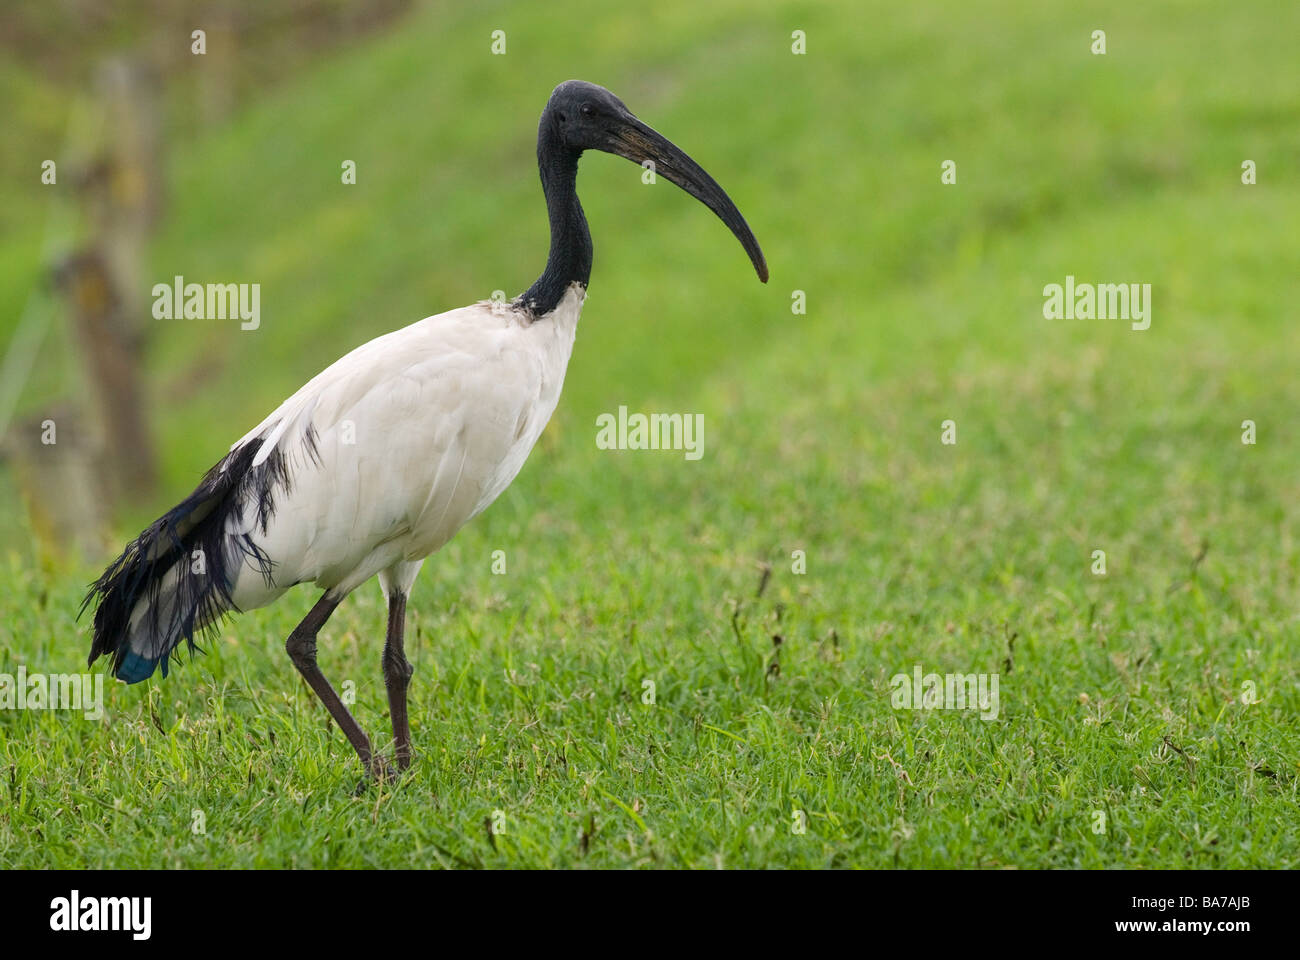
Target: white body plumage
(415, 433)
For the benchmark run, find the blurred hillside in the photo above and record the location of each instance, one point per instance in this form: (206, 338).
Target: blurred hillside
(833, 156)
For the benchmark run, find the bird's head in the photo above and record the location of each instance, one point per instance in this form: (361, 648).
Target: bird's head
(583, 116)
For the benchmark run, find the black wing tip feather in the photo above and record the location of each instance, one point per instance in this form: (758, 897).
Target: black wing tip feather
(197, 523)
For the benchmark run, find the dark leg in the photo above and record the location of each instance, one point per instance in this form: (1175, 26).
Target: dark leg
(302, 650)
(397, 676)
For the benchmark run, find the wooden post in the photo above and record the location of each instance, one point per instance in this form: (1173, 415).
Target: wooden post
(111, 356)
(104, 281)
(58, 467)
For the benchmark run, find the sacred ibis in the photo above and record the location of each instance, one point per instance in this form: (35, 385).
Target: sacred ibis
(380, 459)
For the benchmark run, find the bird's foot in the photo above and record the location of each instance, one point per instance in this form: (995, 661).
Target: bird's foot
(380, 770)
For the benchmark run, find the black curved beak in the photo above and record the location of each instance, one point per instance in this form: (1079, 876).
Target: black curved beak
(637, 142)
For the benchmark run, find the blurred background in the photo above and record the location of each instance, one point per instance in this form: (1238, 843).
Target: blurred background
(922, 299)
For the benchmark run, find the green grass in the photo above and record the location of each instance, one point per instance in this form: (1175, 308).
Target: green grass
(1120, 693)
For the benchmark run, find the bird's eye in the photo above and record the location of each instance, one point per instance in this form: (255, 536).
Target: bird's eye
(586, 109)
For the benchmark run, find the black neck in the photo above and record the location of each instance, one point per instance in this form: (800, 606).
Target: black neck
(570, 258)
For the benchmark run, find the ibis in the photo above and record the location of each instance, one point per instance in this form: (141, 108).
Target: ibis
(378, 460)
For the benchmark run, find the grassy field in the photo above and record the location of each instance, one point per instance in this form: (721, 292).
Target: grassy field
(1121, 694)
